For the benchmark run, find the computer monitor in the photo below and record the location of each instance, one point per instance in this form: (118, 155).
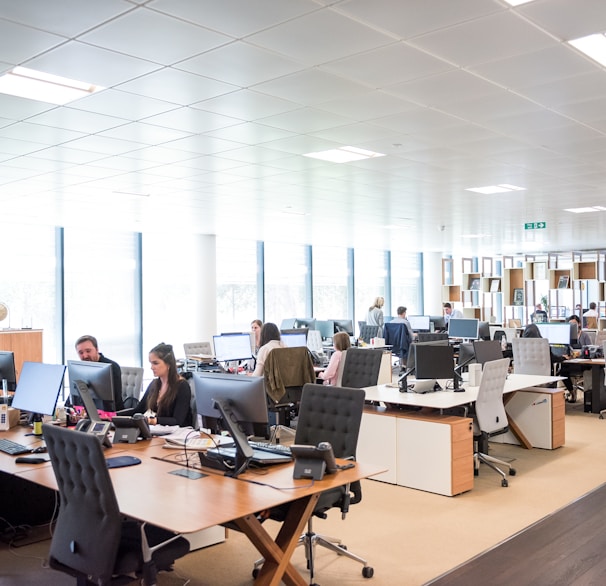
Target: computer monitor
(574, 332)
(38, 387)
(438, 322)
(288, 323)
(487, 350)
(465, 328)
(305, 322)
(466, 356)
(343, 325)
(555, 333)
(434, 362)
(419, 323)
(245, 395)
(326, 328)
(230, 347)
(294, 339)
(97, 377)
(484, 330)
(412, 352)
(7, 369)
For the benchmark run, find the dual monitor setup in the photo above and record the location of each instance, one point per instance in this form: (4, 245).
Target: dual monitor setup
(327, 328)
(39, 384)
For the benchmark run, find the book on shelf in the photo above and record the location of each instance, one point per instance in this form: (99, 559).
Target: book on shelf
(563, 282)
(495, 285)
(475, 285)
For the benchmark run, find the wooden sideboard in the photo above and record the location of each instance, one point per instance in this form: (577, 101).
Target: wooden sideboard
(26, 345)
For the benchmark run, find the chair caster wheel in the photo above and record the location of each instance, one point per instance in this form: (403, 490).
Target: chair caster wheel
(512, 472)
(255, 573)
(368, 572)
(504, 483)
(342, 546)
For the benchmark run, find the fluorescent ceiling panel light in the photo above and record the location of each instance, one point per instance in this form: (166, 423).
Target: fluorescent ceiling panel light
(594, 46)
(344, 154)
(518, 2)
(585, 210)
(490, 189)
(44, 87)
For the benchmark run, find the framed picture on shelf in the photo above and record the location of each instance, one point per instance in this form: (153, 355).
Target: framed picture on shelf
(563, 282)
(518, 296)
(475, 285)
(495, 285)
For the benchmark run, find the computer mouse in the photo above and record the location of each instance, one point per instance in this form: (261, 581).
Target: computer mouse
(30, 460)
(39, 450)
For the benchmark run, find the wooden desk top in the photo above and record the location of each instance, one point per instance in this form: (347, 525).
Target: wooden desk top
(150, 492)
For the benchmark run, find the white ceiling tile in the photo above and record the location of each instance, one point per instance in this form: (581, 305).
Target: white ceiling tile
(40, 133)
(178, 87)
(76, 120)
(192, 120)
(241, 64)
(250, 133)
(367, 106)
(145, 133)
(306, 120)
(122, 104)
(90, 64)
(246, 105)
(153, 36)
(19, 43)
(321, 36)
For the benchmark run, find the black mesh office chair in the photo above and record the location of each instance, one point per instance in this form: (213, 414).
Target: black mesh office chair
(330, 414)
(92, 541)
(368, 332)
(361, 368)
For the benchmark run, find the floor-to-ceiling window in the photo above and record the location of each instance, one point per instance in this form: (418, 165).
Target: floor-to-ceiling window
(28, 284)
(236, 284)
(370, 273)
(102, 280)
(330, 294)
(286, 272)
(406, 282)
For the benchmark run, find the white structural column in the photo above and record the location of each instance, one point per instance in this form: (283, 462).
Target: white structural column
(432, 283)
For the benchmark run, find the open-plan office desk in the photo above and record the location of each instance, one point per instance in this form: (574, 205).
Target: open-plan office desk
(149, 493)
(431, 449)
(598, 392)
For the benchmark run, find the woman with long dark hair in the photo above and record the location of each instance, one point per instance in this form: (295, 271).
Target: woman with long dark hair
(167, 400)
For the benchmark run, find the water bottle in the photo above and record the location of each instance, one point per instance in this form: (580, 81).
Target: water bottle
(37, 424)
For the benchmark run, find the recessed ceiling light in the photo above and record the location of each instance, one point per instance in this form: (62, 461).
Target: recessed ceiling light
(586, 210)
(44, 87)
(490, 189)
(344, 154)
(594, 46)
(518, 2)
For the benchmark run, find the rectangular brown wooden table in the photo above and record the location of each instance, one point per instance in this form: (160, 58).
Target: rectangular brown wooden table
(149, 492)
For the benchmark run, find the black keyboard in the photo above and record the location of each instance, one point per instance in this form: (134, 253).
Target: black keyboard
(271, 448)
(13, 448)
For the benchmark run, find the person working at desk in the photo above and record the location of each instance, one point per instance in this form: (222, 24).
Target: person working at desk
(255, 328)
(583, 338)
(590, 317)
(270, 339)
(450, 313)
(569, 369)
(88, 350)
(167, 400)
(539, 316)
(340, 342)
(375, 314)
(401, 319)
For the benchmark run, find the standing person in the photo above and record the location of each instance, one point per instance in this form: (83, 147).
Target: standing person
(255, 328)
(590, 317)
(88, 350)
(270, 339)
(401, 319)
(539, 315)
(450, 313)
(167, 400)
(375, 314)
(341, 342)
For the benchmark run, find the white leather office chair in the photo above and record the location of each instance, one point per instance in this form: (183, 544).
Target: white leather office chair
(132, 383)
(531, 356)
(314, 341)
(194, 348)
(490, 418)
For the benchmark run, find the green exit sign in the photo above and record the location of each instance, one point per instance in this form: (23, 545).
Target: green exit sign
(535, 225)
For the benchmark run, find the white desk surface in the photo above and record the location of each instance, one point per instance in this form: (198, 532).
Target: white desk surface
(449, 399)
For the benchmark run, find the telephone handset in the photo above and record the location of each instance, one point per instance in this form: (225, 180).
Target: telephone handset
(313, 461)
(129, 429)
(98, 428)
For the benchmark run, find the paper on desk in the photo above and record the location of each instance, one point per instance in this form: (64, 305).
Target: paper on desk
(165, 429)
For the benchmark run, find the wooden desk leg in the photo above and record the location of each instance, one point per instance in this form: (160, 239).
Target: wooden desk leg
(513, 426)
(277, 554)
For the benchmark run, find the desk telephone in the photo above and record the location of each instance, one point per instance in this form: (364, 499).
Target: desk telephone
(317, 359)
(313, 461)
(98, 428)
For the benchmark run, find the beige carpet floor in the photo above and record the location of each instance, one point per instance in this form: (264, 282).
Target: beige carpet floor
(408, 536)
